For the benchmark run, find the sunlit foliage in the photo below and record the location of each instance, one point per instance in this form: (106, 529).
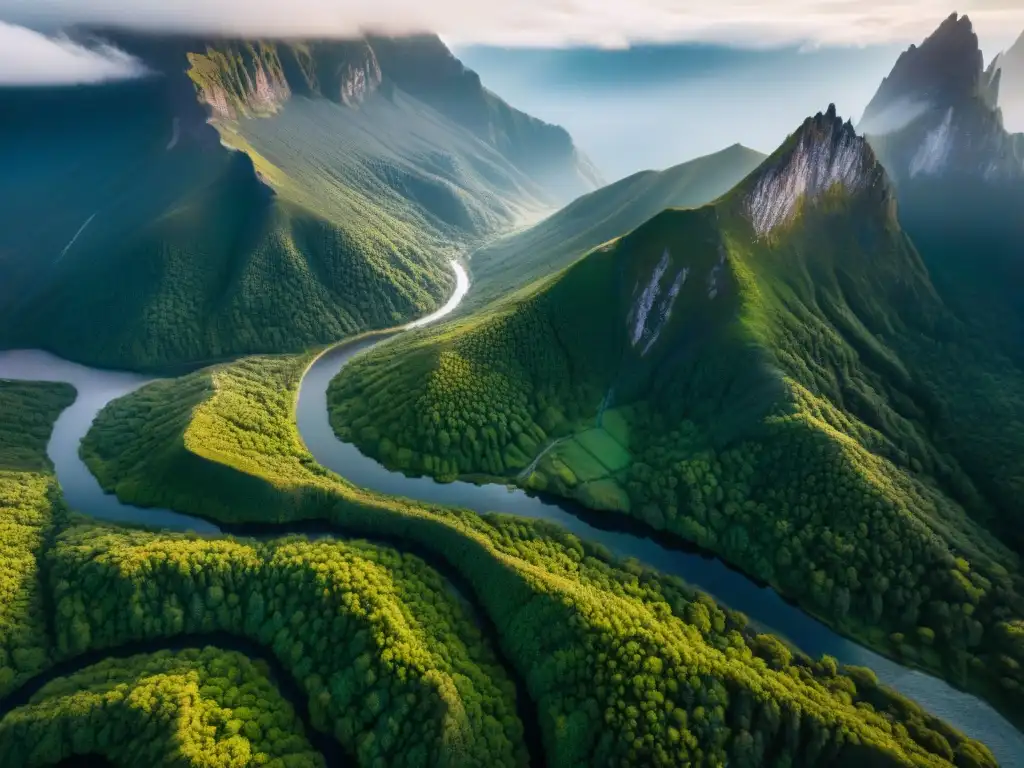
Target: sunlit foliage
(621, 665)
(391, 664)
(804, 407)
(194, 709)
(29, 500)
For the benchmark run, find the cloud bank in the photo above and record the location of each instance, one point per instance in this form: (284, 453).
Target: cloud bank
(31, 58)
(549, 23)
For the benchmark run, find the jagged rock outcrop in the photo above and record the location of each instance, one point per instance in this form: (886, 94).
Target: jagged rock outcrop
(945, 69)
(256, 78)
(958, 173)
(935, 115)
(253, 79)
(825, 153)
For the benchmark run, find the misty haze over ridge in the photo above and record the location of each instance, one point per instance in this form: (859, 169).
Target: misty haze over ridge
(651, 107)
(750, 76)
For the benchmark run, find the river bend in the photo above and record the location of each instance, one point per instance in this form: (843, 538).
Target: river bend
(762, 604)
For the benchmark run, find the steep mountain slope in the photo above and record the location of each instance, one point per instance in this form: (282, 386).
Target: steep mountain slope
(935, 115)
(425, 68)
(959, 174)
(140, 240)
(1009, 66)
(742, 376)
(602, 215)
(960, 184)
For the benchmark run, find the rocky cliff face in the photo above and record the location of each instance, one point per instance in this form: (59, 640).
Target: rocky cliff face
(958, 173)
(935, 115)
(423, 67)
(1009, 68)
(825, 155)
(945, 69)
(246, 79)
(255, 79)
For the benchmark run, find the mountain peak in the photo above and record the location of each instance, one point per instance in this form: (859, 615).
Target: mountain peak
(824, 153)
(946, 70)
(936, 114)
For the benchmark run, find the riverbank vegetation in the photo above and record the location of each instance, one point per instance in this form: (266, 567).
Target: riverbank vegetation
(238, 416)
(317, 221)
(392, 664)
(29, 503)
(621, 664)
(197, 708)
(778, 400)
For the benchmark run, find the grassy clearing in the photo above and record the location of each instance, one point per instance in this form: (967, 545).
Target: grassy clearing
(605, 448)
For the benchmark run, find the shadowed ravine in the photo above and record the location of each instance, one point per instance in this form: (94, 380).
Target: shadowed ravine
(732, 588)
(334, 754)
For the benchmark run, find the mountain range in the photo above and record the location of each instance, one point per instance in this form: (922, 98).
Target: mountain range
(817, 375)
(809, 364)
(337, 176)
(959, 173)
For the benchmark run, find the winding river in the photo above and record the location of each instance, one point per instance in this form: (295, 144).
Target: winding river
(763, 605)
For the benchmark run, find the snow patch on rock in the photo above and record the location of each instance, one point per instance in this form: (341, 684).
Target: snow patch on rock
(827, 153)
(931, 157)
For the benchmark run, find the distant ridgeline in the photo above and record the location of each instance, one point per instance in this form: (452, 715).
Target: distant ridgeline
(133, 235)
(773, 376)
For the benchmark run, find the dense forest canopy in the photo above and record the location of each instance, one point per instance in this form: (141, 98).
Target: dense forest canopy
(783, 386)
(195, 709)
(792, 370)
(29, 511)
(652, 644)
(326, 198)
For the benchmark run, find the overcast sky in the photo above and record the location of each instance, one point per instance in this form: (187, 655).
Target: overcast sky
(557, 23)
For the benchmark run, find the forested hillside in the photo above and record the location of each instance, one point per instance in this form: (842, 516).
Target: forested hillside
(756, 377)
(198, 708)
(772, 359)
(326, 200)
(28, 507)
(415, 683)
(390, 663)
(959, 177)
(547, 247)
(712, 688)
